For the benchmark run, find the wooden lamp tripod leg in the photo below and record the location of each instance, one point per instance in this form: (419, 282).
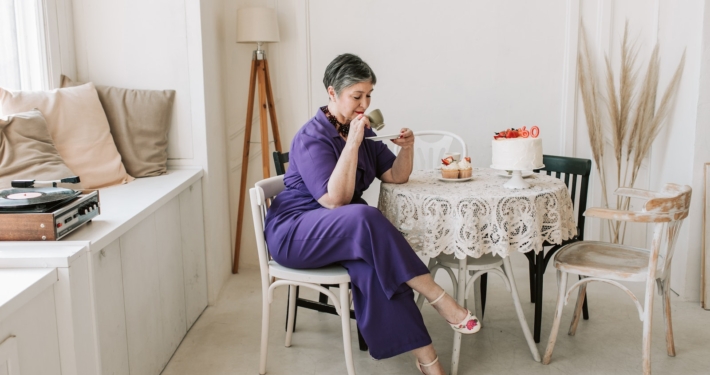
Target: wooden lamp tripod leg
(260, 75)
(264, 126)
(245, 163)
(272, 109)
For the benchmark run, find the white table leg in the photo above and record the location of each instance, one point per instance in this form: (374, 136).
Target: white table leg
(460, 298)
(519, 309)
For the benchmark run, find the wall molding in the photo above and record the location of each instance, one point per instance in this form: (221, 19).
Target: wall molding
(568, 113)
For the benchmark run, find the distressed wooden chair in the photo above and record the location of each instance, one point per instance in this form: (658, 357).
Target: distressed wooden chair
(612, 263)
(322, 305)
(575, 173)
(274, 275)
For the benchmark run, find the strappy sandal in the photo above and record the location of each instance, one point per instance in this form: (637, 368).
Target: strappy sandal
(470, 324)
(420, 365)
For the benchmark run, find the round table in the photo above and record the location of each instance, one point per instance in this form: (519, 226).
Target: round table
(478, 216)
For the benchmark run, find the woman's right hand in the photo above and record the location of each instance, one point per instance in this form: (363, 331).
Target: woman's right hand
(357, 129)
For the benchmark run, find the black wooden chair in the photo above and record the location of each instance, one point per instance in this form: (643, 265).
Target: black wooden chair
(280, 159)
(575, 173)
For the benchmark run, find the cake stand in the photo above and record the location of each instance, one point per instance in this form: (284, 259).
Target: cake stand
(516, 178)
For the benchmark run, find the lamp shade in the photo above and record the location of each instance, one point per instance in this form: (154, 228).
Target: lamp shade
(257, 24)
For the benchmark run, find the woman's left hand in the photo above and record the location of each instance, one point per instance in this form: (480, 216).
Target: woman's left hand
(406, 138)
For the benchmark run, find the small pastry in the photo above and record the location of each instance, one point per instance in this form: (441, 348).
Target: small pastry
(465, 168)
(449, 168)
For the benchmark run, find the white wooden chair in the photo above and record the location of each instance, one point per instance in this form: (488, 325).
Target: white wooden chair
(427, 155)
(428, 152)
(261, 195)
(612, 263)
(477, 268)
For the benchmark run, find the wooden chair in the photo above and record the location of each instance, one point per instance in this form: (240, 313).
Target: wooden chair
(612, 263)
(575, 172)
(260, 195)
(280, 159)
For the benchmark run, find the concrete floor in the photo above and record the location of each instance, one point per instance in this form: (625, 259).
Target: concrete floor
(225, 340)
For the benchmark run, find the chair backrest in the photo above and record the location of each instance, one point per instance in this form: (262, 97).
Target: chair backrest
(261, 195)
(575, 173)
(669, 210)
(430, 147)
(280, 158)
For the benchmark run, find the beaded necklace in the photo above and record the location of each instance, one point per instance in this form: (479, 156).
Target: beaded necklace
(343, 129)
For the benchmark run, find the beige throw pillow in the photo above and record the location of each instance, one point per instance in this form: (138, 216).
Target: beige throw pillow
(139, 121)
(27, 151)
(78, 126)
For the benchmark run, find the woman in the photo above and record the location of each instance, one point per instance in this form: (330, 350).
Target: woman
(320, 219)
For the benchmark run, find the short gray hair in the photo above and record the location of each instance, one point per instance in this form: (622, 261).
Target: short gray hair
(347, 70)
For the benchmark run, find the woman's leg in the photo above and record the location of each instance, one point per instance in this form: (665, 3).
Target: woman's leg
(447, 307)
(390, 325)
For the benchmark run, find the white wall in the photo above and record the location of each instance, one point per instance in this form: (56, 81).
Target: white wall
(168, 44)
(676, 26)
(477, 67)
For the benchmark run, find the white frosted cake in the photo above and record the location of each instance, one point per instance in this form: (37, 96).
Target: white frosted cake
(516, 153)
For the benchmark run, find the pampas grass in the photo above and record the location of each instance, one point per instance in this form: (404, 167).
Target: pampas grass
(630, 112)
(586, 74)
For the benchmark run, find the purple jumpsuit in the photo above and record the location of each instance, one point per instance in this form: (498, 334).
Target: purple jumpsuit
(301, 233)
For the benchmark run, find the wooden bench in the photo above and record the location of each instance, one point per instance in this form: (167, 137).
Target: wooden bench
(134, 280)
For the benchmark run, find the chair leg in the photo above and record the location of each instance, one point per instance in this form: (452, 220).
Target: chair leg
(508, 269)
(562, 289)
(539, 272)
(345, 321)
(264, 333)
(647, 324)
(531, 274)
(461, 299)
(578, 309)
(361, 340)
(291, 313)
(585, 307)
(322, 298)
(484, 286)
(471, 303)
(666, 293)
(295, 313)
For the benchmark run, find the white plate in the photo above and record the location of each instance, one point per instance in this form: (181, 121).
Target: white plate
(454, 179)
(383, 137)
(506, 174)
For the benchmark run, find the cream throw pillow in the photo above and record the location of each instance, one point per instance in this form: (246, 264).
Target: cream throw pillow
(78, 126)
(27, 151)
(139, 121)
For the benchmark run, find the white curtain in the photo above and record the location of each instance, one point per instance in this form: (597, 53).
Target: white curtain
(23, 58)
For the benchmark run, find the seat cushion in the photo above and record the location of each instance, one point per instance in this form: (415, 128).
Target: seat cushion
(325, 275)
(602, 259)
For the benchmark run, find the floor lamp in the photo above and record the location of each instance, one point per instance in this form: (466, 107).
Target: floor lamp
(256, 25)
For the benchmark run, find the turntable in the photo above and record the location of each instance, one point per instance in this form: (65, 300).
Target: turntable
(29, 213)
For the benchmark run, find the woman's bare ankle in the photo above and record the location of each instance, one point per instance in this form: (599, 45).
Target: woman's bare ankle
(435, 369)
(450, 310)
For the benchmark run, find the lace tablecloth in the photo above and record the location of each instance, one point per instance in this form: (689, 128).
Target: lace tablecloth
(471, 218)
